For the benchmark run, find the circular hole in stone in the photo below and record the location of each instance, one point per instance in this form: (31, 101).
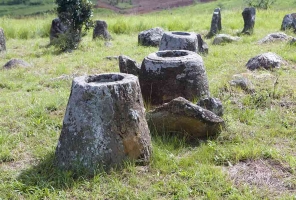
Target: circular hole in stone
(165, 54)
(180, 33)
(104, 78)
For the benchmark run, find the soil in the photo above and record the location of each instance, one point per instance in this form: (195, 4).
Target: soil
(266, 175)
(144, 6)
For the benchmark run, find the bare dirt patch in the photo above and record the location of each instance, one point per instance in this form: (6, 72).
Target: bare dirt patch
(267, 175)
(144, 6)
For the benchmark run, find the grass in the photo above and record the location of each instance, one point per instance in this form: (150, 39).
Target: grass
(259, 125)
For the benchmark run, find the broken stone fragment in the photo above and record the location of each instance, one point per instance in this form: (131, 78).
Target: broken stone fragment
(272, 37)
(13, 63)
(128, 65)
(104, 124)
(242, 82)
(211, 104)
(101, 30)
(150, 37)
(266, 60)
(183, 117)
(224, 38)
(202, 45)
(57, 28)
(289, 22)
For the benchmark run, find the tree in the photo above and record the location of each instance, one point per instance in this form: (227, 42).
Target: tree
(261, 4)
(75, 15)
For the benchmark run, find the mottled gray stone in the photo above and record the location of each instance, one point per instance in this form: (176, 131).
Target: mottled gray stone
(224, 38)
(272, 37)
(242, 82)
(165, 75)
(216, 25)
(211, 104)
(249, 15)
(2, 41)
(182, 116)
(101, 30)
(179, 41)
(104, 124)
(57, 28)
(202, 45)
(13, 63)
(150, 37)
(266, 60)
(128, 65)
(293, 41)
(289, 22)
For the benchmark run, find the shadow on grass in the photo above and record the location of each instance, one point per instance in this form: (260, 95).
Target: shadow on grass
(46, 176)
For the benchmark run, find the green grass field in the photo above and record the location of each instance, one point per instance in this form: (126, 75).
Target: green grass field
(259, 127)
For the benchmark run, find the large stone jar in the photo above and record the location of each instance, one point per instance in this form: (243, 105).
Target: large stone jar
(104, 124)
(166, 75)
(178, 41)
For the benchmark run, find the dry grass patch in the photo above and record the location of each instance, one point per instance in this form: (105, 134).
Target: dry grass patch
(267, 175)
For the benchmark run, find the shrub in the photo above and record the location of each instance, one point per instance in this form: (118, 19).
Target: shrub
(75, 14)
(261, 4)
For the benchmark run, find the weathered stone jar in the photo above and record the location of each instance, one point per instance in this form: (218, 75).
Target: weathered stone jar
(179, 41)
(166, 75)
(104, 124)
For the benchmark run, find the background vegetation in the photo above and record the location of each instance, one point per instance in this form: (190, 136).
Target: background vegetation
(261, 125)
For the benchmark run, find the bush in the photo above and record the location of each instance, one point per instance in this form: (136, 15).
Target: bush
(75, 14)
(261, 4)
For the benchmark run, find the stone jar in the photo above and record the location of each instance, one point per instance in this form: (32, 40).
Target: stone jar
(179, 41)
(166, 75)
(104, 124)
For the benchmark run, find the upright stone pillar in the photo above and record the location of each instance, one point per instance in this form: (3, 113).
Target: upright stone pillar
(104, 124)
(249, 20)
(2, 41)
(216, 25)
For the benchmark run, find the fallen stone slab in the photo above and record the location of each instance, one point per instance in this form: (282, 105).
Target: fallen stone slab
(128, 65)
(13, 63)
(224, 38)
(266, 60)
(273, 37)
(150, 37)
(182, 116)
